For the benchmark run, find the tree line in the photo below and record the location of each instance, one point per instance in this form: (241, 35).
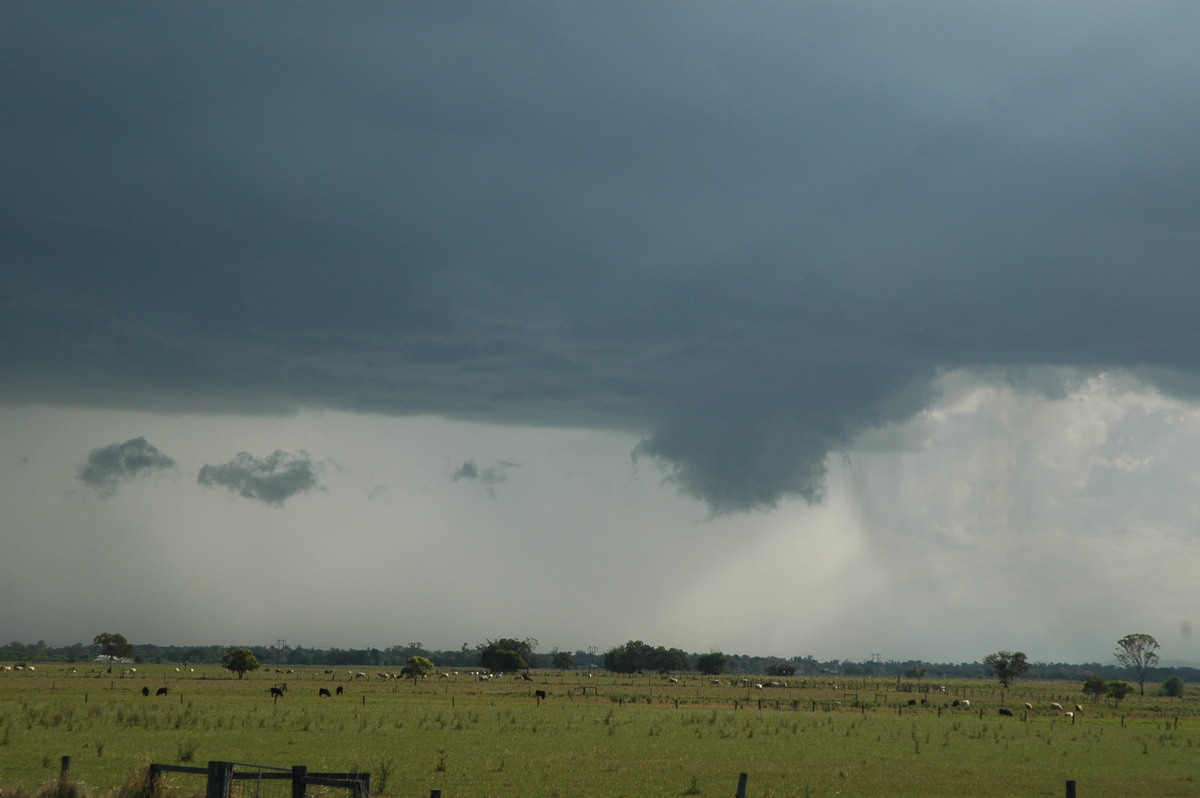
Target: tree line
(1135, 653)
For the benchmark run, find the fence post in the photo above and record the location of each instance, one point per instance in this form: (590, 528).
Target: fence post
(66, 767)
(1071, 789)
(298, 785)
(152, 778)
(741, 793)
(220, 778)
(362, 786)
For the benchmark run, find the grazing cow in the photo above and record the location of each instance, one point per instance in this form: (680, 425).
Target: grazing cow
(276, 692)
(912, 702)
(1068, 714)
(1056, 706)
(1028, 705)
(1006, 712)
(956, 703)
(966, 704)
(145, 691)
(539, 694)
(340, 689)
(323, 693)
(162, 691)
(1078, 708)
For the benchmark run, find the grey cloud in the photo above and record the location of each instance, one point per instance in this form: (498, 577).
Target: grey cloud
(108, 466)
(489, 476)
(746, 239)
(272, 480)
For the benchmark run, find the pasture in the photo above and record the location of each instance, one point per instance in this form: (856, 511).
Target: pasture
(608, 735)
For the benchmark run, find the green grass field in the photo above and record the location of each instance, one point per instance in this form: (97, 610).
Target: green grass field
(602, 736)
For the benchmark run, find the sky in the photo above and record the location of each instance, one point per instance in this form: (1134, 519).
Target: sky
(839, 329)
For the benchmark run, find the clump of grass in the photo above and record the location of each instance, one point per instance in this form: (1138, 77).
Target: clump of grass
(185, 750)
(383, 771)
(694, 787)
(64, 787)
(137, 785)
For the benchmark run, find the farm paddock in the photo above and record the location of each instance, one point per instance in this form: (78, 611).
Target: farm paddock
(603, 735)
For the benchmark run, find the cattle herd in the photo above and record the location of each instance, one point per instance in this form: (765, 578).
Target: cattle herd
(279, 690)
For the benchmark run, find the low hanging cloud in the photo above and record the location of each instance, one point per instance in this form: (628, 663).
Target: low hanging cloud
(749, 240)
(271, 480)
(488, 476)
(108, 466)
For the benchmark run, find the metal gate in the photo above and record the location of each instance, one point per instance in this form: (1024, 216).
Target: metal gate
(245, 780)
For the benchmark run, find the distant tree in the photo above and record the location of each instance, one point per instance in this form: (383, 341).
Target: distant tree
(1138, 652)
(915, 672)
(636, 656)
(1173, 687)
(417, 668)
(1095, 686)
(562, 660)
(666, 660)
(712, 663)
(240, 660)
(781, 669)
(1118, 690)
(114, 646)
(1006, 665)
(507, 655)
(628, 658)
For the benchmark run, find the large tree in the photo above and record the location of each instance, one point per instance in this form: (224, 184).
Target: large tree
(1006, 665)
(507, 655)
(240, 660)
(113, 646)
(1138, 652)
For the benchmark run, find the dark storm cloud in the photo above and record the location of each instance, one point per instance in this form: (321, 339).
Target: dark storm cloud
(108, 466)
(746, 232)
(272, 480)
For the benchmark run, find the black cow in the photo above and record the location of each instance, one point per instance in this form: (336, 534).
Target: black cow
(145, 691)
(161, 691)
(340, 689)
(539, 694)
(277, 692)
(1006, 712)
(323, 693)
(912, 702)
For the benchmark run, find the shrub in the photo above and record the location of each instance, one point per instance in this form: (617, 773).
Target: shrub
(1173, 687)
